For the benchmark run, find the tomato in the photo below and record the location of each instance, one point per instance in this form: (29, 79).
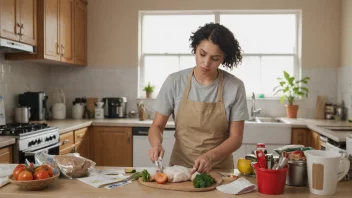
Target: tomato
(41, 174)
(160, 178)
(20, 165)
(46, 168)
(17, 171)
(25, 175)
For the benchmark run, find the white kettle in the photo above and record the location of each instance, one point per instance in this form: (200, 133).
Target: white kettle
(59, 108)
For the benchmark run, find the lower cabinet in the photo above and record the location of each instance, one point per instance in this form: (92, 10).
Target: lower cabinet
(6, 155)
(306, 137)
(76, 141)
(112, 146)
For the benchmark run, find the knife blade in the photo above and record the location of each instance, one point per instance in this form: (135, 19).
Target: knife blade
(159, 164)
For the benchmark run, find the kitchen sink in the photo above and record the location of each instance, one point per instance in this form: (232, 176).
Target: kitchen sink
(268, 120)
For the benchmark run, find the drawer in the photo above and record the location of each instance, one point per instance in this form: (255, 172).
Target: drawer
(66, 140)
(80, 134)
(70, 149)
(6, 149)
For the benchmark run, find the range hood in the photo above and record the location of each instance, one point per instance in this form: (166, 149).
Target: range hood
(13, 46)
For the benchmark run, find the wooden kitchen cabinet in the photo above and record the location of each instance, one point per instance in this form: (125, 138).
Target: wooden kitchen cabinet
(82, 142)
(113, 146)
(315, 141)
(300, 136)
(66, 140)
(80, 25)
(19, 20)
(6, 155)
(70, 149)
(58, 28)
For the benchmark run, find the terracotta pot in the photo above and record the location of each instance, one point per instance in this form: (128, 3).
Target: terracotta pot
(291, 111)
(148, 94)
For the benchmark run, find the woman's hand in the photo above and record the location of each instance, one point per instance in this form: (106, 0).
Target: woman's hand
(155, 152)
(203, 164)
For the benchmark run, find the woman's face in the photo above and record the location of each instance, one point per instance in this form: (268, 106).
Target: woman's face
(208, 57)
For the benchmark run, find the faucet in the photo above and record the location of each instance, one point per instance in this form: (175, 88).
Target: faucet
(254, 112)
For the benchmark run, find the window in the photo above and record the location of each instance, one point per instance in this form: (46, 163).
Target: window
(268, 39)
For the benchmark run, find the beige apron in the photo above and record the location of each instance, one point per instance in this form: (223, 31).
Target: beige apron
(200, 127)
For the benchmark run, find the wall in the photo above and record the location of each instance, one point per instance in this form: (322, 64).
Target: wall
(17, 77)
(344, 88)
(113, 27)
(113, 49)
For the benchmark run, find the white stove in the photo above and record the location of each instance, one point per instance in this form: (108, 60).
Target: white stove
(32, 138)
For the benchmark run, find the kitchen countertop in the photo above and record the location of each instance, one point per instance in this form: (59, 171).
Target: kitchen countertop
(69, 125)
(74, 188)
(6, 141)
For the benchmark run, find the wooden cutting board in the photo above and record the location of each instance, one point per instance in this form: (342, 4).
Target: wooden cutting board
(184, 186)
(320, 107)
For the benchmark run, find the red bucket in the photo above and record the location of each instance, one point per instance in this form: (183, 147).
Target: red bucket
(271, 182)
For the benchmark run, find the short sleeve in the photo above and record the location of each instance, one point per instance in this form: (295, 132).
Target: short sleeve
(166, 98)
(239, 110)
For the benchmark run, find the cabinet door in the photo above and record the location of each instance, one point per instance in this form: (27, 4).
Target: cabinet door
(80, 33)
(82, 142)
(66, 29)
(67, 150)
(9, 27)
(301, 136)
(6, 155)
(113, 146)
(51, 30)
(28, 21)
(315, 140)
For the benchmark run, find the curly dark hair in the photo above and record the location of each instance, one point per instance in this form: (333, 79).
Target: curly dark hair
(222, 37)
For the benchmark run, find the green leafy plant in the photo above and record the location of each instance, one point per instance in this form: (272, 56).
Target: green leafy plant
(203, 180)
(291, 88)
(149, 88)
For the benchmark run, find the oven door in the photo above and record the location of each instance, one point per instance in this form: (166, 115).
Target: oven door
(29, 154)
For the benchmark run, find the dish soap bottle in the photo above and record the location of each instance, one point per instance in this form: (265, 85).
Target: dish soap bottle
(141, 111)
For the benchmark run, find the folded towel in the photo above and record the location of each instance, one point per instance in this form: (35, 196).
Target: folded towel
(240, 186)
(5, 171)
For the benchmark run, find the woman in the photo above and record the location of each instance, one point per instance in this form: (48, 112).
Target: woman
(210, 105)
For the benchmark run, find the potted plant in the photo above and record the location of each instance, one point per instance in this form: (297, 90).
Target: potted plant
(291, 89)
(149, 90)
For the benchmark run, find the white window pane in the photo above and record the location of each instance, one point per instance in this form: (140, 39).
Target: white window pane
(187, 62)
(170, 33)
(249, 73)
(272, 68)
(263, 33)
(157, 68)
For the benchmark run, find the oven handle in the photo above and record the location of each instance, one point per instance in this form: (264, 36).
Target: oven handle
(44, 149)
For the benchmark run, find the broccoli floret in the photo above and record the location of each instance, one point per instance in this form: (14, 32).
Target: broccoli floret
(145, 175)
(203, 180)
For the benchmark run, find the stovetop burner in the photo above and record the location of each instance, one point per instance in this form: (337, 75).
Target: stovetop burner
(15, 129)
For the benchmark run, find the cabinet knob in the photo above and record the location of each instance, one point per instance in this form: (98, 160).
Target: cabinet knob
(63, 50)
(65, 142)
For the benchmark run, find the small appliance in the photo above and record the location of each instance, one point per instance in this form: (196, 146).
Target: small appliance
(110, 107)
(37, 101)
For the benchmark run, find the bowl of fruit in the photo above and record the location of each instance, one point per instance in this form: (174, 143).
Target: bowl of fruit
(32, 178)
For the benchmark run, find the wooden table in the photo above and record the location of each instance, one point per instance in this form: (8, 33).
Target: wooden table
(73, 188)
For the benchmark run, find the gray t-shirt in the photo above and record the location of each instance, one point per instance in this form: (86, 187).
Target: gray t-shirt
(234, 94)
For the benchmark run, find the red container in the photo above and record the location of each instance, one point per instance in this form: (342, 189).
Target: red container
(271, 182)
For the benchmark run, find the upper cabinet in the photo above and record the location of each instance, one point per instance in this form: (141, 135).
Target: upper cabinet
(19, 20)
(80, 25)
(62, 32)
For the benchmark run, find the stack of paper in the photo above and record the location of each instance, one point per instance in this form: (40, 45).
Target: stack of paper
(240, 186)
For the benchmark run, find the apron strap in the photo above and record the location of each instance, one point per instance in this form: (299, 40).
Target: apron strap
(188, 87)
(220, 86)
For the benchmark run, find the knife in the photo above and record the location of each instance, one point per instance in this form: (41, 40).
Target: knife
(159, 164)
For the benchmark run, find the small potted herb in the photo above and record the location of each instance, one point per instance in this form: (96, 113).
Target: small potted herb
(149, 89)
(291, 89)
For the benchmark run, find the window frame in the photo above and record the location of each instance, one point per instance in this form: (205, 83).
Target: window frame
(296, 55)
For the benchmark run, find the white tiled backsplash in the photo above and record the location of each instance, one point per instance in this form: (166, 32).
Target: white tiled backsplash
(344, 88)
(17, 77)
